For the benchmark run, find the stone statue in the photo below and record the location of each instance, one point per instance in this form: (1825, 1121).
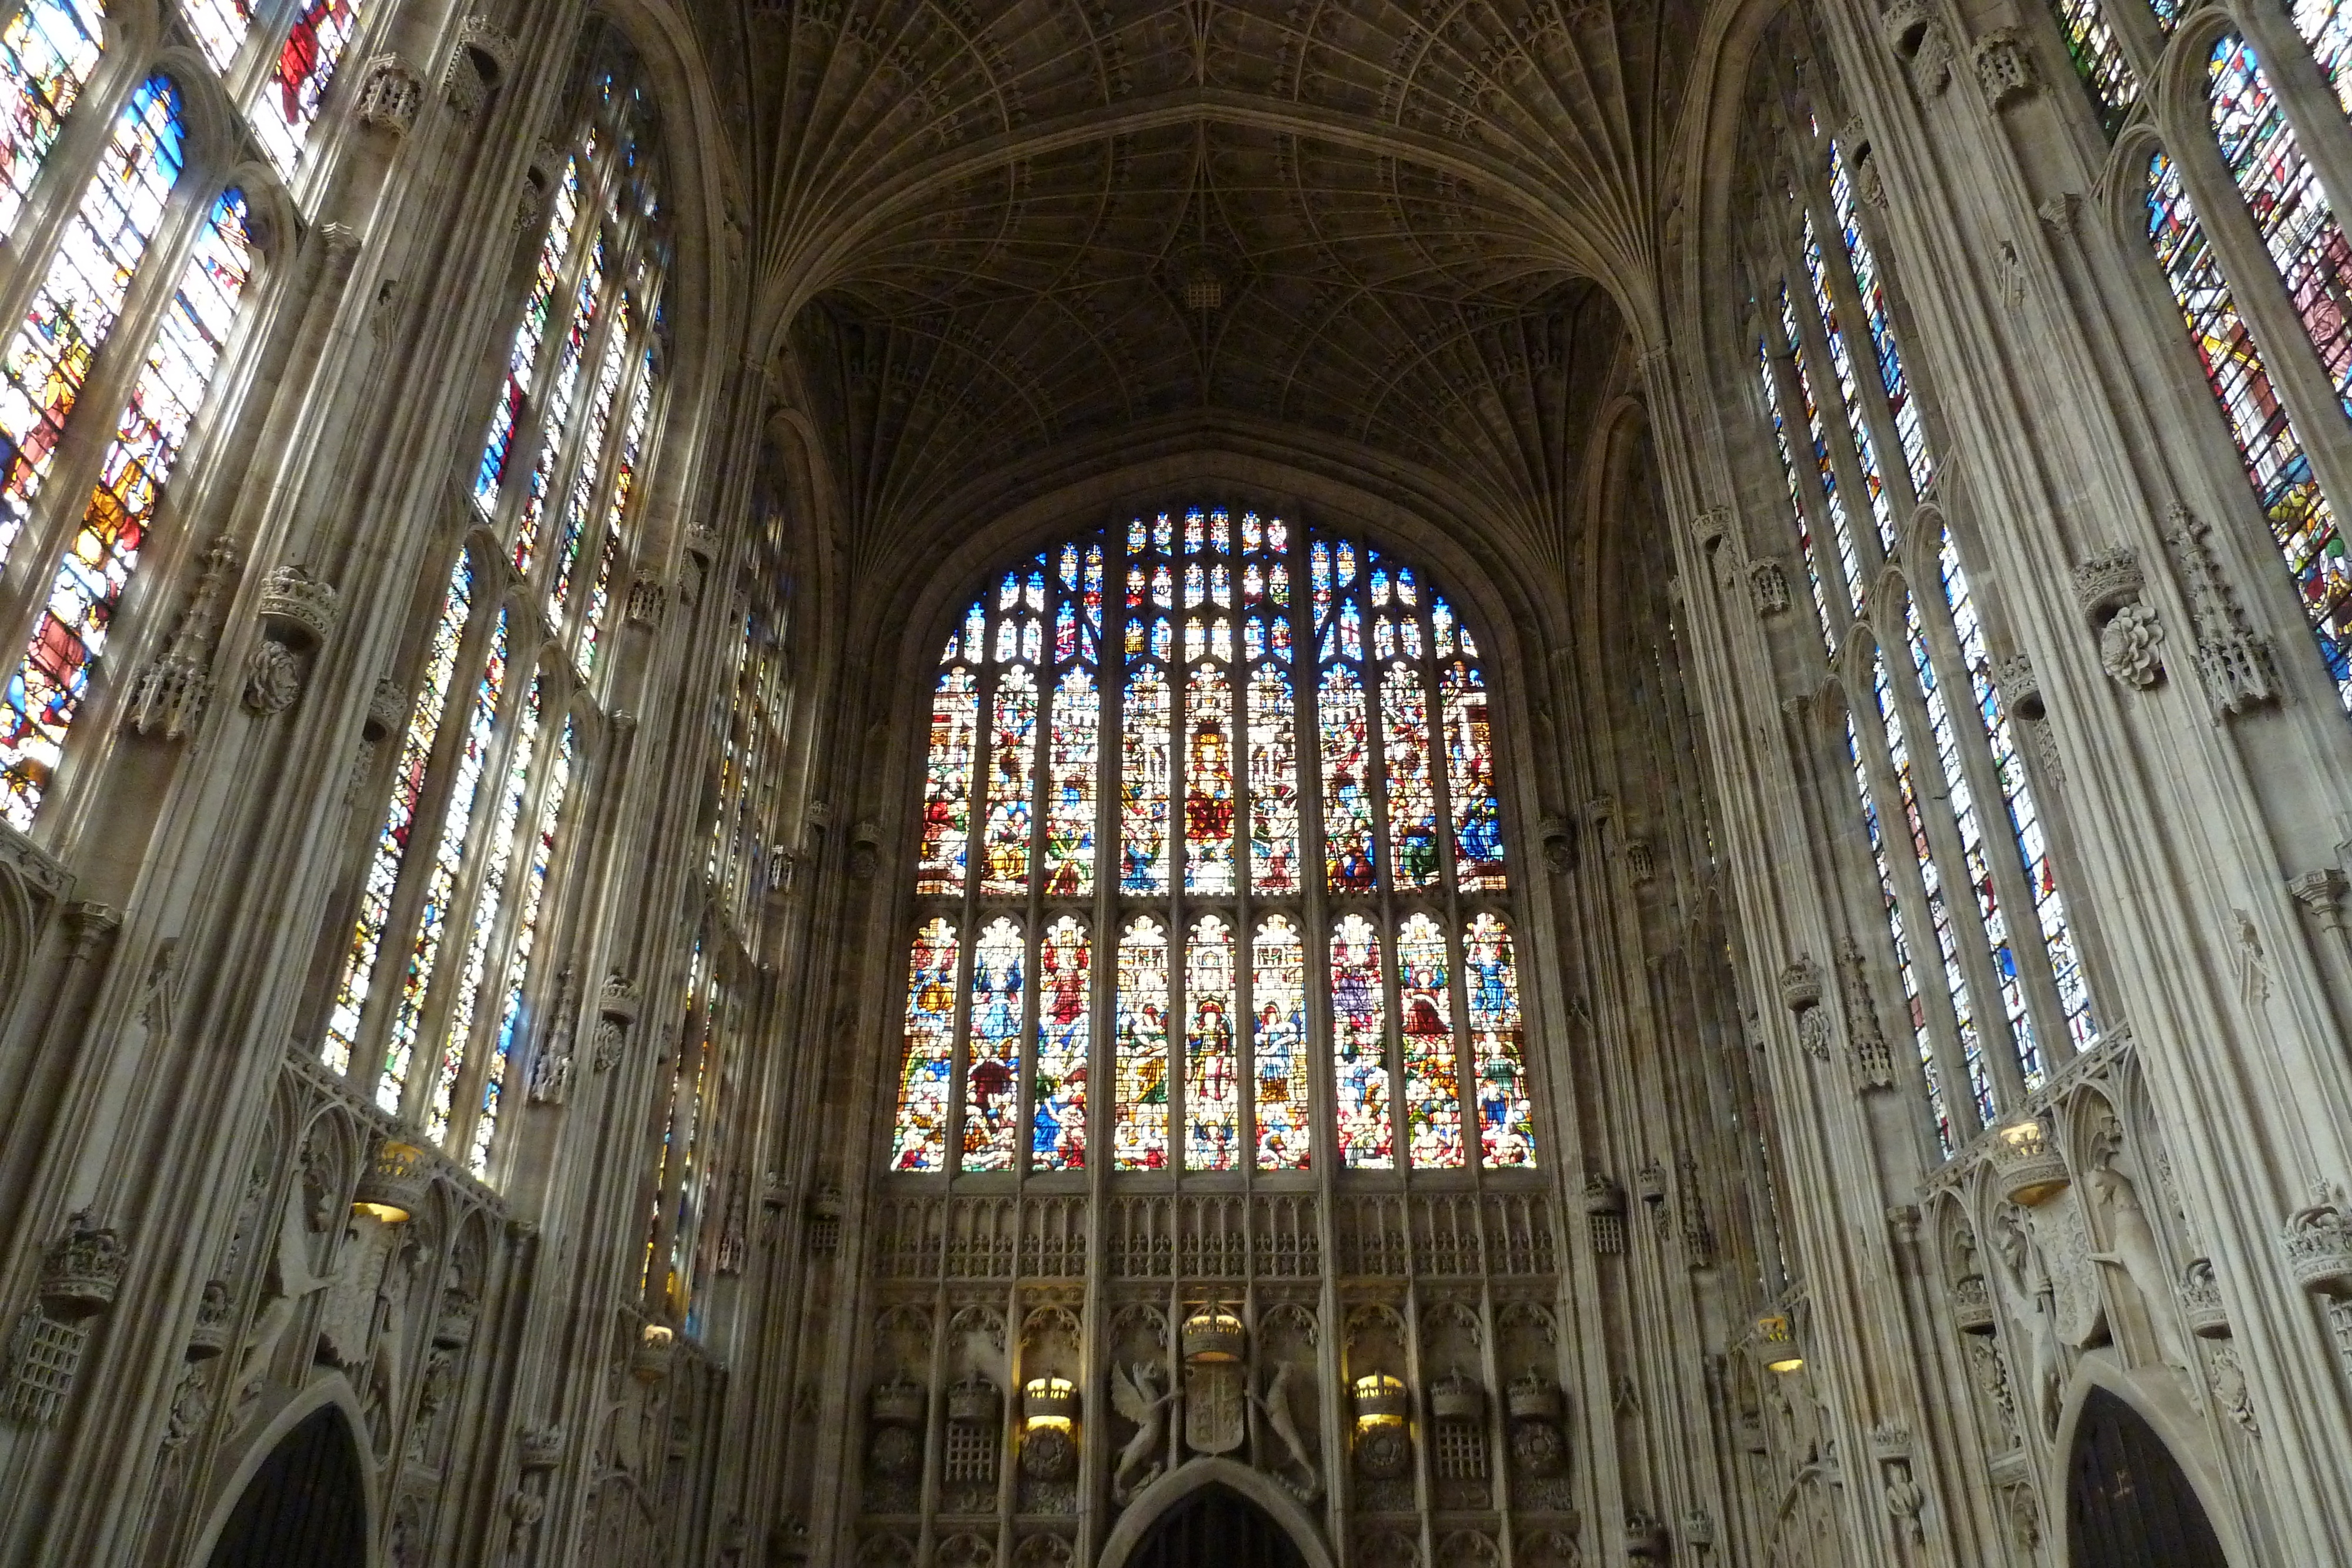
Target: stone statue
(2132, 1251)
(1274, 1403)
(1134, 1394)
(295, 1278)
(2025, 1286)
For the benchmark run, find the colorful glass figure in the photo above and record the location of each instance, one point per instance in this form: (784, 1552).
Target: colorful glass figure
(2302, 523)
(1411, 802)
(71, 632)
(1272, 784)
(1491, 979)
(1470, 779)
(1360, 1046)
(1143, 785)
(1278, 1046)
(1209, 783)
(991, 1105)
(925, 1070)
(1432, 1079)
(47, 50)
(1347, 782)
(554, 253)
(1057, 1114)
(298, 85)
(1012, 753)
(2099, 60)
(1139, 1113)
(1795, 499)
(1877, 316)
(1914, 1005)
(73, 309)
(519, 961)
(1211, 1053)
(947, 798)
(1071, 761)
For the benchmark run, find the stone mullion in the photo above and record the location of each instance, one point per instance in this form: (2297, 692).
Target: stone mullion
(2264, 304)
(1102, 988)
(1034, 920)
(1180, 865)
(1919, 924)
(2003, 854)
(1962, 901)
(1316, 913)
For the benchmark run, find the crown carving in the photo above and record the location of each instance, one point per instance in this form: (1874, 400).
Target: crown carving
(900, 1401)
(618, 1000)
(1212, 1333)
(1455, 1398)
(210, 1337)
(2319, 1241)
(82, 1269)
(973, 1399)
(1800, 985)
(2108, 581)
(299, 605)
(1532, 1396)
(1602, 1195)
(2200, 1298)
(540, 1447)
(1973, 1304)
(392, 1186)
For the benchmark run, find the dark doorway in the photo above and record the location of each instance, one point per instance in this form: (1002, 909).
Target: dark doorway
(1216, 1527)
(305, 1507)
(2127, 1502)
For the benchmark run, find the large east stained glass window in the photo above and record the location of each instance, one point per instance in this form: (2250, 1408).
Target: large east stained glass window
(1285, 739)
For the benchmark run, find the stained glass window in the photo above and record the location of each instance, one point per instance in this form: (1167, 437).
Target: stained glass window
(300, 78)
(1227, 960)
(46, 52)
(47, 689)
(1824, 463)
(2302, 522)
(2098, 59)
(1914, 1005)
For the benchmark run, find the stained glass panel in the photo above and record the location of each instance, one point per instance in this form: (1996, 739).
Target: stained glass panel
(2099, 59)
(1412, 801)
(1058, 1118)
(1506, 1122)
(1795, 499)
(1139, 1115)
(1878, 318)
(1470, 781)
(2326, 26)
(518, 962)
(947, 798)
(305, 67)
(992, 1105)
(1071, 761)
(46, 52)
(1347, 782)
(1915, 1006)
(1209, 783)
(1143, 785)
(2302, 522)
(71, 633)
(1211, 1060)
(924, 1072)
(1842, 371)
(1432, 1081)
(554, 252)
(1825, 468)
(1272, 784)
(1278, 1046)
(73, 310)
(1012, 753)
(1360, 1046)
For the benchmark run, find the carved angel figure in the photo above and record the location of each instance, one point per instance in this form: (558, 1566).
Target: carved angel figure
(1134, 1394)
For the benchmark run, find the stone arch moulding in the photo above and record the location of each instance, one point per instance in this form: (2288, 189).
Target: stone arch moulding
(1134, 1524)
(331, 1389)
(2156, 1400)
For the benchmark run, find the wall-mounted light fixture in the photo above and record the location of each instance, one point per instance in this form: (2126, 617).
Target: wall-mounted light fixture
(1779, 1343)
(1049, 1402)
(2031, 1170)
(1212, 1333)
(392, 1186)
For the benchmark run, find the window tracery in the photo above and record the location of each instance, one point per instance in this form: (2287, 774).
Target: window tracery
(1222, 961)
(1935, 746)
(445, 961)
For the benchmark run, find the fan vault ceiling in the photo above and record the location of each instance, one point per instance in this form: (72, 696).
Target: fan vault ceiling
(999, 235)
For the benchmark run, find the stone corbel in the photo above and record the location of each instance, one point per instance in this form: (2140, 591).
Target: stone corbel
(2322, 892)
(616, 1010)
(1890, 1444)
(298, 614)
(2108, 586)
(2021, 697)
(476, 66)
(2233, 662)
(1801, 993)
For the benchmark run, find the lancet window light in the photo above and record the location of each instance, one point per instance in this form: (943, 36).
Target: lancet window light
(1211, 820)
(1978, 928)
(446, 958)
(2254, 157)
(96, 337)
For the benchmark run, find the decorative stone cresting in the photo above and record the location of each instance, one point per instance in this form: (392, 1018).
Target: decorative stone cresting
(2234, 664)
(2318, 1242)
(168, 697)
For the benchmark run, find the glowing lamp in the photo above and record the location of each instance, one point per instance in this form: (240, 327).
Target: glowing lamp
(2032, 1172)
(1049, 1402)
(1779, 1343)
(657, 1343)
(392, 1186)
(1382, 1400)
